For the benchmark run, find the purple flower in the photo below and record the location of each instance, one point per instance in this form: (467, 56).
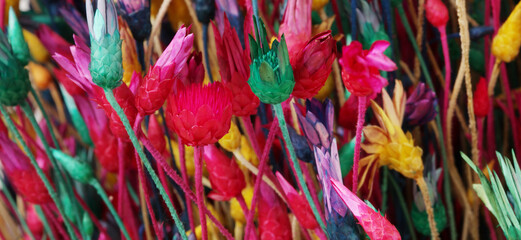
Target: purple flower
(420, 107)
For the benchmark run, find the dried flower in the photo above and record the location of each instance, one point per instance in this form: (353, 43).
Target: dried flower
(75, 20)
(436, 13)
(205, 10)
(273, 217)
(225, 175)
(14, 79)
(232, 140)
(16, 39)
(298, 204)
(296, 25)
(77, 169)
(129, 54)
(507, 41)
(420, 107)
(481, 99)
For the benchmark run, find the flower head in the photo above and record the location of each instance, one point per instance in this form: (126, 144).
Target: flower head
(200, 115)
(137, 14)
(106, 61)
(16, 39)
(273, 217)
(14, 79)
(420, 107)
(317, 125)
(225, 175)
(271, 75)
(481, 99)
(361, 68)
(313, 64)
(436, 13)
(298, 204)
(159, 81)
(296, 25)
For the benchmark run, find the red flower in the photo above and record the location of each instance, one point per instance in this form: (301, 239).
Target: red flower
(125, 98)
(298, 204)
(312, 65)
(273, 217)
(106, 149)
(158, 83)
(481, 99)
(234, 67)
(194, 70)
(436, 13)
(156, 134)
(200, 115)
(361, 68)
(225, 175)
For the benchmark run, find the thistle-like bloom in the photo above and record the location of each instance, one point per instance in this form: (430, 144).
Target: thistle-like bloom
(374, 224)
(313, 64)
(436, 13)
(19, 171)
(14, 79)
(420, 107)
(271, 75)
(234, 64)
(106, 61)
(481, 99)
(273, 217)
(225, 175)
(137, 14)
(16, 39)
(158, 83)
(298, 204)
(361, 68)
(200, 115)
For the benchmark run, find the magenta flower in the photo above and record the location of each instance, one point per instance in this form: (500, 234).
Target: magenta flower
(296, 25)
(225, 175)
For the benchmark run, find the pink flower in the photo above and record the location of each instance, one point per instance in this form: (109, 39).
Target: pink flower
(298, 204)
(225, 175)
(361, 68)
(296, 25)
(200, 115)
(273, 217)
(158, 83)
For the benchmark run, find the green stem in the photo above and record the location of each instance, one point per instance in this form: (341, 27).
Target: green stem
(446, 180)
(46, 117)
(401, 201)
(18, 214)
(112, 100)
(385, 187)
(95, 183)
(39, 171)
(133, 194)
(45, 223)
(296, 165)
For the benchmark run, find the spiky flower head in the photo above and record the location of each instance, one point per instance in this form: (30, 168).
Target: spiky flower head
(14, 79)
(106, 62)
(271, 75)
(16, 39)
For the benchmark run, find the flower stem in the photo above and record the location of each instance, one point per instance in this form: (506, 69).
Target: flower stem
(39, 171)
(242, 203)
(445, 47)
(403, 205)
(95, 183)
(385, 187)
(428, 206)
(18, 214)
(358, 140)
(182, 162)
(298, 171)
(46, 117)
(112, 101)
(199, 189)
(45, 223)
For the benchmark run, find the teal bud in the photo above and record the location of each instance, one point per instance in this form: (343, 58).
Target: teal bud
(14, 79)
(79, 170)
(87, 224)
(106, 66)
(17, 40)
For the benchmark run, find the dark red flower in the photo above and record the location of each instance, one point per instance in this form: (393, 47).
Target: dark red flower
(225, 175)
(436, 13)
(273, 217)
(156, 134)
(125, 98)
(481, 99)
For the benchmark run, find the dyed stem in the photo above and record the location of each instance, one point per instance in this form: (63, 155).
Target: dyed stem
(385, 187)
(182, 162)
(446, 57)
(480, 141)
(205, 52)
(91, 214)
(96, 185)
(242, 203)
(309, 182)
(446, 179)
(112, 100)
(428, 206)
(250, 132)
(55, 222)
(258, 180)
(199, 189)
(289, 145)
(18, 214)
(45, 223)
(46, 117)
(121, 177)
(39, 170)
(132, 193)
(358, 140)
(404, 207)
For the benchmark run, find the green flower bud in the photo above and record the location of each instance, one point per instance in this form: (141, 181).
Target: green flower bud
(88, 226)
(79, 170)
(17, 40)
(14, 79)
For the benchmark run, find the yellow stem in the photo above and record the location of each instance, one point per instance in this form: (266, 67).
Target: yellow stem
(428, 206)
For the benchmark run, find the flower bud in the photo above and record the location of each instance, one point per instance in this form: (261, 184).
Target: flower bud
(436, 13)
(78, 170)
(481, 99)
(225, 175)
(16, 39)
(14, 79)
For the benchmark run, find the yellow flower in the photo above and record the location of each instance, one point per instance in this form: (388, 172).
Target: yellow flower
(318, 4)
(40, 76)
(235, 207)
(128, 52)
(232, 140)
(189, 157)
(248, 152)
(38, 51)
(505, 45)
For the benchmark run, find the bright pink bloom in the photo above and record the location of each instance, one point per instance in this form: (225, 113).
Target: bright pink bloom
(107, 149)
(158, 83)
(273, 217)
(194, 70)
(225, 175)
(296, 25)
(312, 65)
(298, 204)
(234, 64)
(52, 41)
(156, 134)
(436, 13)
(361, 68)
(375, 225)
(67, 83)
(200, 115)
(481, 99)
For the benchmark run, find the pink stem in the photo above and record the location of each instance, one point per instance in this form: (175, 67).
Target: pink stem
(55, 221)
(179, 181)
(121, 180)
(445, 46)
(182, 162)
(91, 214)
(250, 131)
(358, 140)
(480, 141)
(491, 136)
(510, 108)
(164, 182)
(256, 187)
(311, 186)
(2, 12)
(199, 189)
(242, 202)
